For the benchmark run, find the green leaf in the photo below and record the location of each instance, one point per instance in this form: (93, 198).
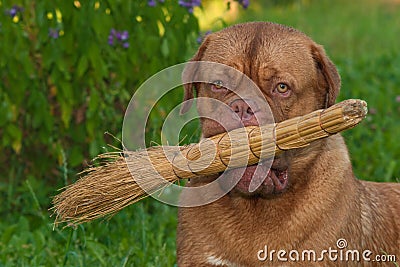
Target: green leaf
(82, 66)
(94, 148)
(98, 250)
(66, 113)
(8, 233)
(165, 48)
(16, 136)
(75, 156)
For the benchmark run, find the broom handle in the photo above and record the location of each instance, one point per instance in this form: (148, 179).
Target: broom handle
(248, 145)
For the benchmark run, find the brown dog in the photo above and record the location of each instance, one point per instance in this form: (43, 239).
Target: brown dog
(310, 200)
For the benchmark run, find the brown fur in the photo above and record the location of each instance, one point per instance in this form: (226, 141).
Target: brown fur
(323, 202)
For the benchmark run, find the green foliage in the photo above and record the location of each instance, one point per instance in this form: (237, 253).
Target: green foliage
(63, 85)
(132, 239)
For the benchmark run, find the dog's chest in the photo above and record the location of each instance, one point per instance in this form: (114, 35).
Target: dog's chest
(218, 261)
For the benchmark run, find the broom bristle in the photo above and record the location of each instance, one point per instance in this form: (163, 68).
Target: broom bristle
(108, 188)
(126, 177)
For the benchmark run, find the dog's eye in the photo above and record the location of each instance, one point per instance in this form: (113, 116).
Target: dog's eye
(282, 88)
(217, 85)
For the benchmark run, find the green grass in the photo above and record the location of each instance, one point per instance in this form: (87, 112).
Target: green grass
(143, 235)
(361, 38)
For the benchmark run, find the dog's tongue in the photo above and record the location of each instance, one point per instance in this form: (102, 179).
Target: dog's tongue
(252, 177)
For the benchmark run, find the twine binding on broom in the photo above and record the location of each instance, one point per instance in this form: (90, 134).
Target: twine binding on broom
(106, 189)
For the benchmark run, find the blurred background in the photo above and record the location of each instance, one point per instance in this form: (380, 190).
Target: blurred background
(69, 68)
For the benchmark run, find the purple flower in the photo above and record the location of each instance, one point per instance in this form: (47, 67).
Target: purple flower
(111, 37)
(244, 3)
(151, 3)
(124, 36)
(118, 38)
(111, 40)
(189, 4)
(12, 12)
(54, 33)
(398, 99)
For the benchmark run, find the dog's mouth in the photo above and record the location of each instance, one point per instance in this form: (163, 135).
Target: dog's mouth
(260, 179)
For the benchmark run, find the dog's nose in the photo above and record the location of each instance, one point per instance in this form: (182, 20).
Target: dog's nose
(242, 109)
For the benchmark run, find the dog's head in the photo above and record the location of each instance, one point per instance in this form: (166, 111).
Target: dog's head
(294, 77)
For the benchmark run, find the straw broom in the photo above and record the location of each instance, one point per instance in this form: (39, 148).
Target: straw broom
(108, 188)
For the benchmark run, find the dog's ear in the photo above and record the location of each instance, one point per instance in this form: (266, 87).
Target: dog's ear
(328, 73)
(189, 75)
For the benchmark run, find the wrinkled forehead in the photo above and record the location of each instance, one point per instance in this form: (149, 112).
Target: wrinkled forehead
(249, 50)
